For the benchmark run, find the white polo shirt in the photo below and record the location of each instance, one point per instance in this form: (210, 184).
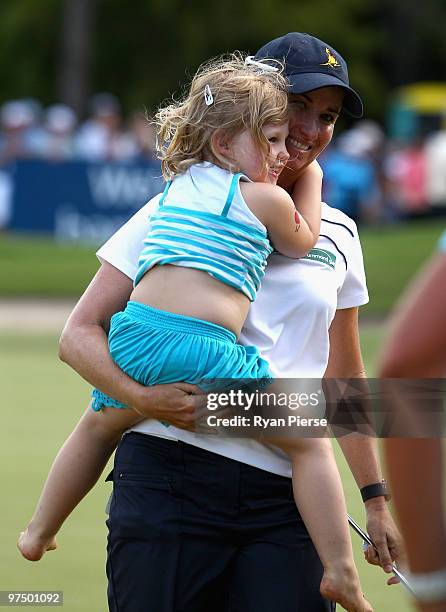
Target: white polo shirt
(288, 322)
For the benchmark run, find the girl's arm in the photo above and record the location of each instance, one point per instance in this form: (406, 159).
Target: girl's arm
(307, 195)
(292, 233)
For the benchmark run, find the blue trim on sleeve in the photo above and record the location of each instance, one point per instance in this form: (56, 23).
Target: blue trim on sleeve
(232, 188)
(166, 189)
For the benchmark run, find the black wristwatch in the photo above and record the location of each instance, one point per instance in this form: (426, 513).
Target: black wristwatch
(378, 489)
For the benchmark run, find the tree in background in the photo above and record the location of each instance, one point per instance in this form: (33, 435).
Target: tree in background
(76, 31)
(144, 49)
(414, 45)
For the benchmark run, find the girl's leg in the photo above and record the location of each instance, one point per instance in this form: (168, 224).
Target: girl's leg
(76, 469)
(320, 498)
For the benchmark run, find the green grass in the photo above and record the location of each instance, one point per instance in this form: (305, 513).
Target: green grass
(43, 268)
(41, 400)
(372, 336)
(392, 255)
(40, 267)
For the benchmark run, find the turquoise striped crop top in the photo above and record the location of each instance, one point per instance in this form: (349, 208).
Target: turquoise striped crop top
(203, 222)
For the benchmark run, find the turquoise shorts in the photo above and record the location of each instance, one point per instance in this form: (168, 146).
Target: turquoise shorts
(157, 347)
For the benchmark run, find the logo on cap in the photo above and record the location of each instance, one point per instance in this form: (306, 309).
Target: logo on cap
(332, 61)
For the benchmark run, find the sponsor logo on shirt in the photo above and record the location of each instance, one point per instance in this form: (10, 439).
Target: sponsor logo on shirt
(322, 256)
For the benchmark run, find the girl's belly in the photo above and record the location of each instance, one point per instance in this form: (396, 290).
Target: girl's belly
(192, 293)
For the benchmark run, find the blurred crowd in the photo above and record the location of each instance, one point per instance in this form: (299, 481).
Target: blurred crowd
(29, 131)
(372, 178)
(375, 179)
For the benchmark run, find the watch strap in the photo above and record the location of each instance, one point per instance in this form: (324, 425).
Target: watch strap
(377, 489)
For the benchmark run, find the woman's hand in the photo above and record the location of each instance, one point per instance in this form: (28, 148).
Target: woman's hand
(177, 403)
(386, 538)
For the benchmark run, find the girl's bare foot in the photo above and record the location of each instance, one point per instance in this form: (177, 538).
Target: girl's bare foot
(341, 584)
(33, 546)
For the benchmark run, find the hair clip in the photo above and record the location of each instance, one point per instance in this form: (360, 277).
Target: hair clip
(208, 97)
(250, 61)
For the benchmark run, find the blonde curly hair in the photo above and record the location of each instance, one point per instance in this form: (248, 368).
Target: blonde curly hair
(245, 97)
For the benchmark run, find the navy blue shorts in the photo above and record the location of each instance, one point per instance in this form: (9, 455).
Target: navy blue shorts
(192, 531)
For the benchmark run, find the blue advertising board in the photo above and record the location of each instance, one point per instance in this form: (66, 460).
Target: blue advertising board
(79, 201)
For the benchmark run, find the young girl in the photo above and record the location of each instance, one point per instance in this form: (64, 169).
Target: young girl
(222, 149)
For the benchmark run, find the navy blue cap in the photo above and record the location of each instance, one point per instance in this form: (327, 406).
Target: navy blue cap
(310, 64)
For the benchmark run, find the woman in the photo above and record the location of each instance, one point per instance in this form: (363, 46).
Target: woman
(198, 523)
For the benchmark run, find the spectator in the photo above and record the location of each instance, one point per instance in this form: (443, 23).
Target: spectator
(60, 122)
(405, 170)
(435, 169)
(19, 139)
(144, 134)
(5, 198)
(416, 349)
(16, 120)
(101, 138)
(350, 180)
